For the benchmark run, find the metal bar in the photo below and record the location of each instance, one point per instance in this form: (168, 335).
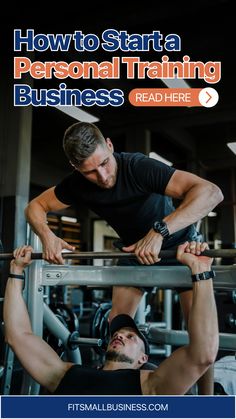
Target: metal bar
(157, 351)
(86, 342)
(163, 277)
(140, 315)
(8, 370)
(165, 254)
(168, 315)
(54, 325)
(180, 338)
(58, 329)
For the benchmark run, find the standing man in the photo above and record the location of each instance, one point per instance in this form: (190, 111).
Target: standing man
(132, 192)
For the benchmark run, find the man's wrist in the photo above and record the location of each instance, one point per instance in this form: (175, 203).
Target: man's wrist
(199, 268)
(16, 270)
(158, 235)
(44, 232)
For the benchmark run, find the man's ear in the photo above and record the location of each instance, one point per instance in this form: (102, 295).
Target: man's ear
(143, 359)
(109, 144)
(73, 165)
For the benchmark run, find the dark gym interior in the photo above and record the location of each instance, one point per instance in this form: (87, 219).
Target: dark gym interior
(192, 138)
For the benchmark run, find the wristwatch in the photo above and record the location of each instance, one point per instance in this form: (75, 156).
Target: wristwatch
(203, 275)
(161, 228)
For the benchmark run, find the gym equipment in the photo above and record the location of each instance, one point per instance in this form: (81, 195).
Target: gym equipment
(180, 338)
(231, 320)
(44, 274)
(66, 315)
(165, 254)
(163, 277)
(1, 252)
(100, 325)
(68, 319)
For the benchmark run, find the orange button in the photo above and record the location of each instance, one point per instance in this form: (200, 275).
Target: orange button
(171, 97)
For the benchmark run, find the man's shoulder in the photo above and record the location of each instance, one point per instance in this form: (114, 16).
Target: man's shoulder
(130, 160)
(69, 188)
(124, 156)
(73, 176)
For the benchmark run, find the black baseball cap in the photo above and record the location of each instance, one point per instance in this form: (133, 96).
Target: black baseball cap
(124, 320)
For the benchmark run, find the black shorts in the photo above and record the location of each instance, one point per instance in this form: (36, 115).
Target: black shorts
(192, 235)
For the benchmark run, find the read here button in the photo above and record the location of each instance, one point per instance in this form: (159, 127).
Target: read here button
(207, 97)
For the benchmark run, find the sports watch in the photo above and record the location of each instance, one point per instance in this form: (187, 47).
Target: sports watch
(203, 275)
(161, 228)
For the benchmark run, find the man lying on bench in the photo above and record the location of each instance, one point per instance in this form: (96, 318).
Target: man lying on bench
(127, 350)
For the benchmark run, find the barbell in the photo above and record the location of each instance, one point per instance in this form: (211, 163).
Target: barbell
(165, 254)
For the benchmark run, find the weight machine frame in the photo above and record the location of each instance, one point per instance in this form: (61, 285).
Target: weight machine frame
(41, 274)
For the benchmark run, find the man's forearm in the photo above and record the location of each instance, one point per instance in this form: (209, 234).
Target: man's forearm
(16, 318)
(37, 218)
(197, 203)
(203, 323)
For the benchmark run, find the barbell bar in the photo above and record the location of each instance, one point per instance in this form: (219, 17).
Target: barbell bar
(165, 254)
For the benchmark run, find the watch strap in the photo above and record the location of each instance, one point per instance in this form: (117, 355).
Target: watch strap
(15, 276)
(203, 275)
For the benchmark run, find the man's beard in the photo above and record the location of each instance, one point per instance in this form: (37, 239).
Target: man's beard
(110, 184)
(116, 357)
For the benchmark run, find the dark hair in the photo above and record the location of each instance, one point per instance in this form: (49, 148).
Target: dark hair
(81, 140)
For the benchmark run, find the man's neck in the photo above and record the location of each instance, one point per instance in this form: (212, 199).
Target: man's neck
(112, 366)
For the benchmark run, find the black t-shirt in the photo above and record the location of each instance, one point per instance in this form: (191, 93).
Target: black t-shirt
(89, 381)
(133, 203)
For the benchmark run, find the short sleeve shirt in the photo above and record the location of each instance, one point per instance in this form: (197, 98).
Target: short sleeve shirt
(135, 201)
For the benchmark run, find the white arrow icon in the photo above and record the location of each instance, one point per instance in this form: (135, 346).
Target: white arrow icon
(208, 97)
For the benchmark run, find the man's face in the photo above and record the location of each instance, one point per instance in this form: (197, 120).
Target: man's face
(125, 345)
(101, 167)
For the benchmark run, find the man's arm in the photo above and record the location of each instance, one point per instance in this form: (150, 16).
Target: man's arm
(184, 367)
(198, 195)
(35, 213)
(198, 198)
(35, 355)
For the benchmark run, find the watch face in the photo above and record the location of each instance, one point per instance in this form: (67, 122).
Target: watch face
(161, 227)
(156, 226)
